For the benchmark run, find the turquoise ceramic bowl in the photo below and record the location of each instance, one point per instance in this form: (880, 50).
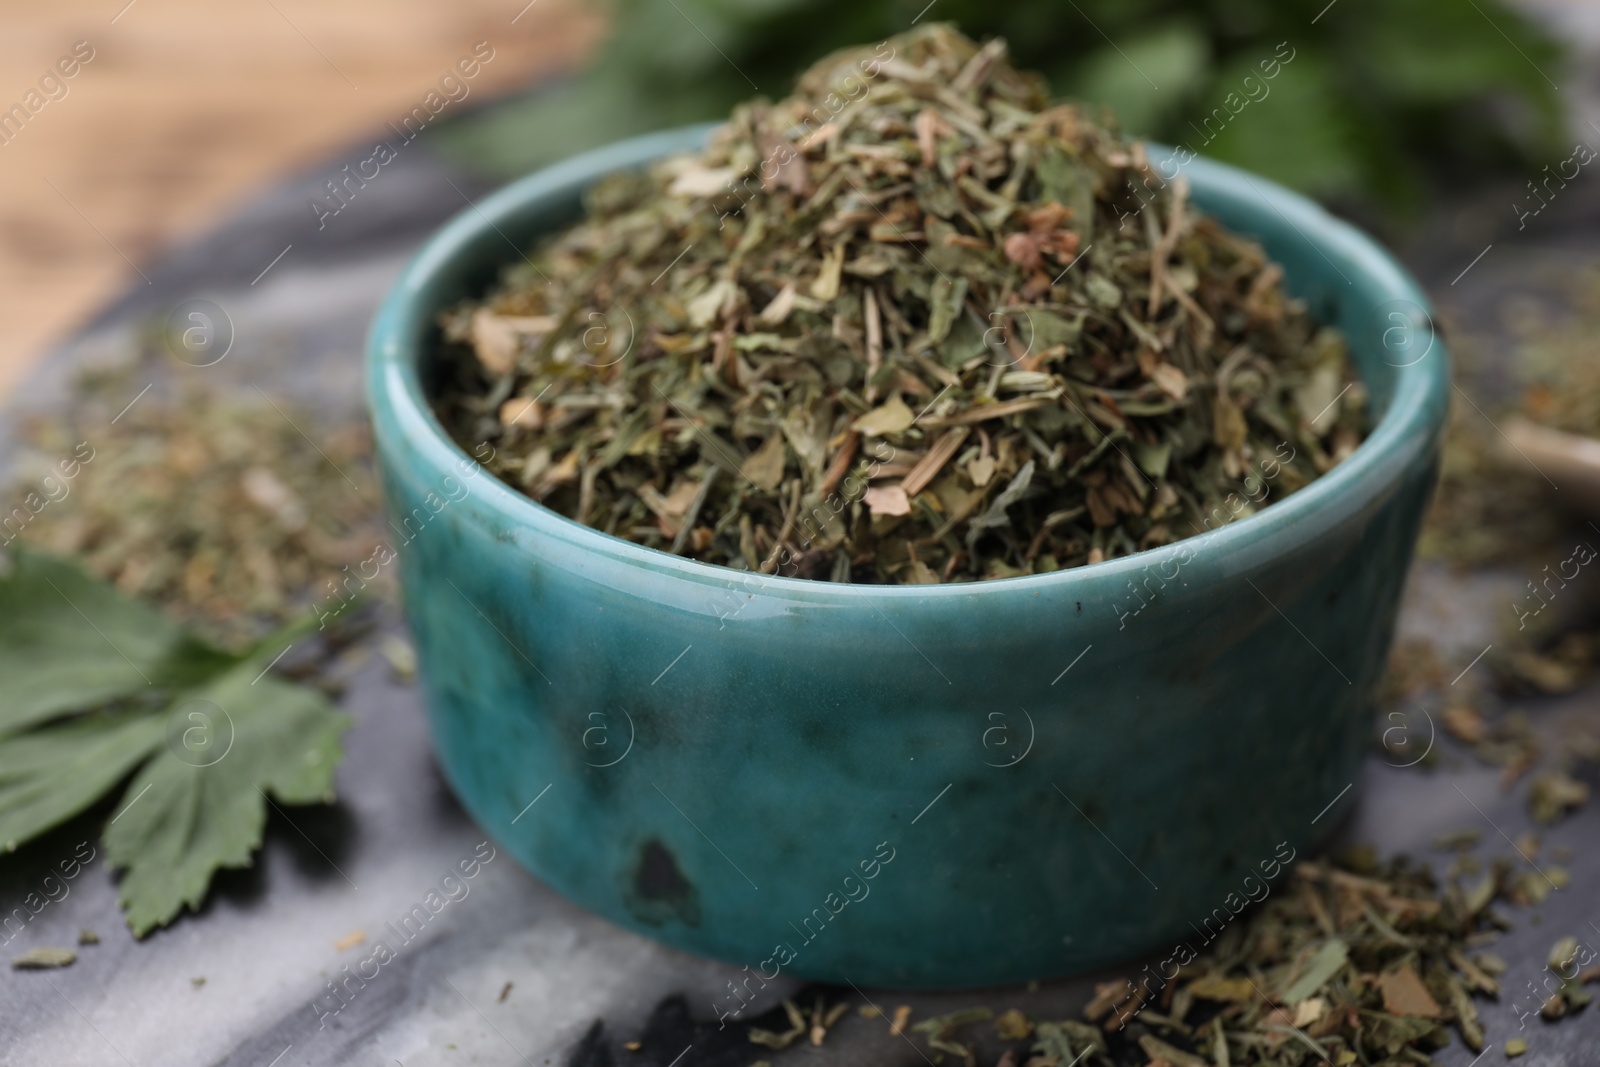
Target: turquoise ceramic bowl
(947, 786)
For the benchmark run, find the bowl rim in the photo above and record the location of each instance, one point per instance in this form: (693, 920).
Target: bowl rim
(397, 400)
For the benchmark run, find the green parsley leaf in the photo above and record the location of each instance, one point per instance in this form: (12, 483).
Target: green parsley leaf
(100, 686)
(182, 822)
(70, 643)
(49, 775)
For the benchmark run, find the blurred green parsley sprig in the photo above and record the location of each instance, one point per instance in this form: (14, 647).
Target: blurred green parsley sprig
(1381, 102)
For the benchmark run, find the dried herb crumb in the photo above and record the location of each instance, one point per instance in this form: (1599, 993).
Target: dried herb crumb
(41, 959)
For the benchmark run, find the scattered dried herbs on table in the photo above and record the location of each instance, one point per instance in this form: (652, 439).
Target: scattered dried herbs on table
(1556, 359)
(216, 506)
(1492, 505)
(1349, 963)
(913, 324)
(44, 959)
(1495, 511)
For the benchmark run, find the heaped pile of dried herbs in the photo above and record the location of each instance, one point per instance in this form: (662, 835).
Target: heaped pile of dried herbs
(912, 324)
(216, 507)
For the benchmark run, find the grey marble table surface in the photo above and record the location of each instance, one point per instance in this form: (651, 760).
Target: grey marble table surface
(299, 299)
